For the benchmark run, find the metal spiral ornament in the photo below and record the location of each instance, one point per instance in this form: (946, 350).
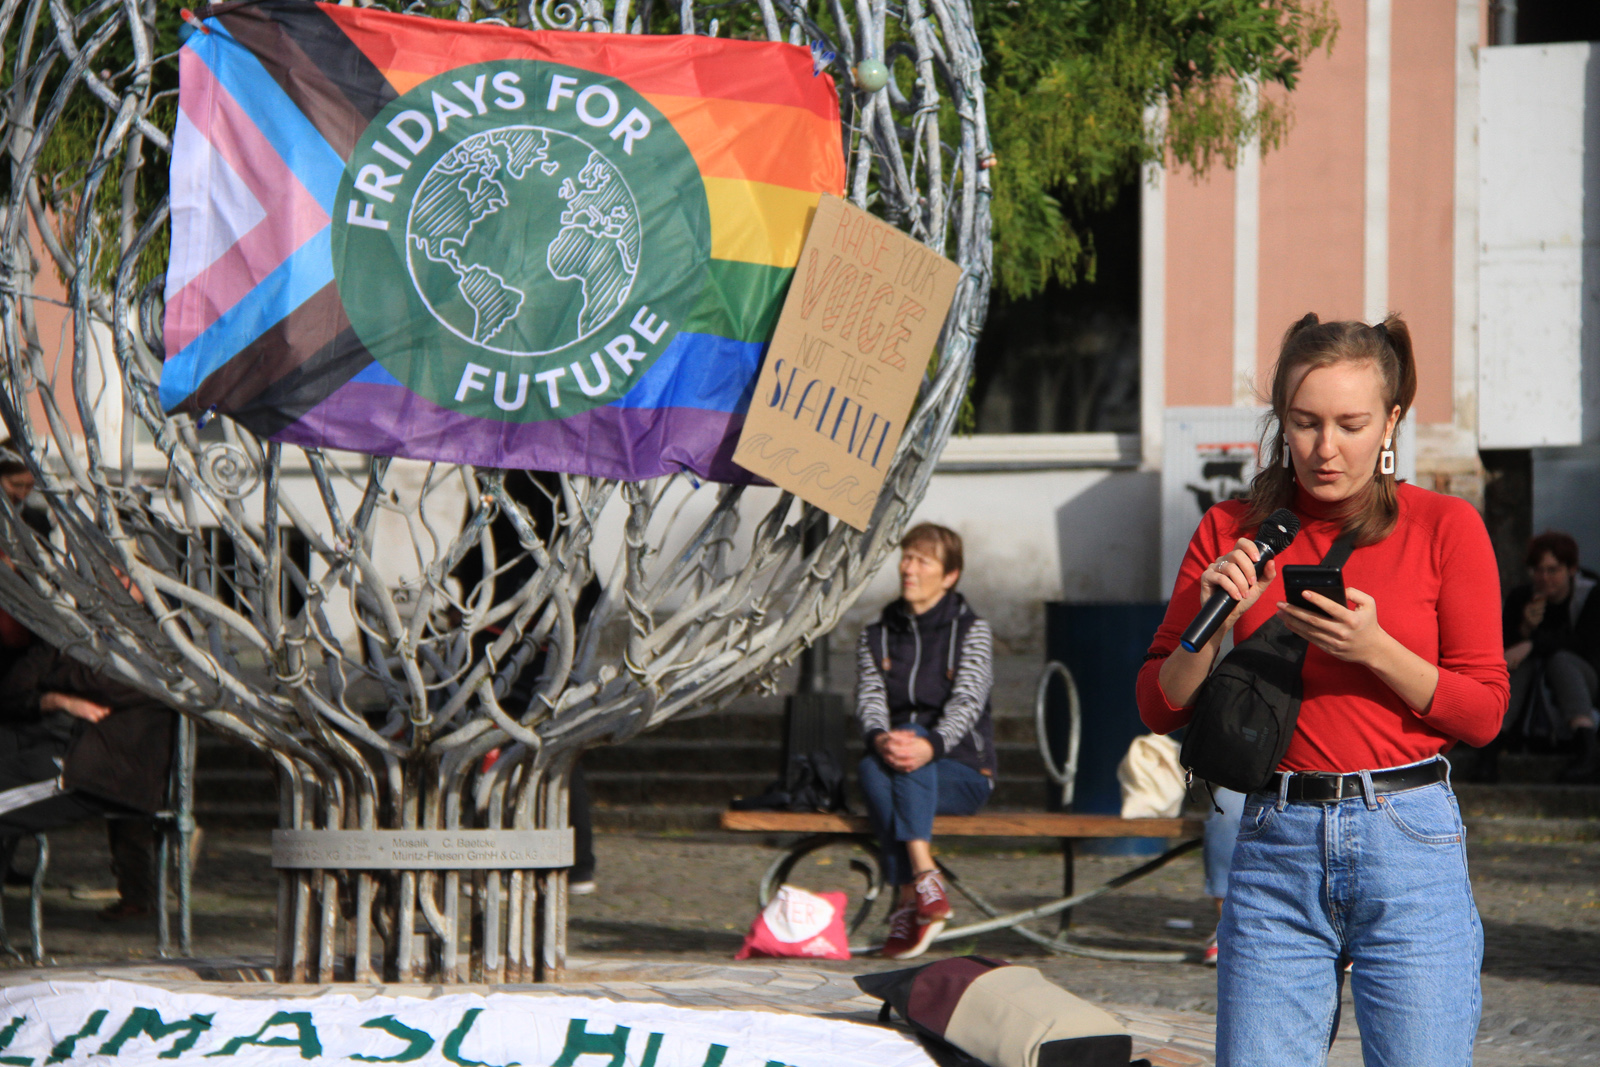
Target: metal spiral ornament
(314, 604)
(229, 470)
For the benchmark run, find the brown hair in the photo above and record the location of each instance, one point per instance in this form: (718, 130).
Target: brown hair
(10, 459)
(1560, 545)
(1371, 514)
(945, 543)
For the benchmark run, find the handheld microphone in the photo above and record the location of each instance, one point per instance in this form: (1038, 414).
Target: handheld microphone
(1274, 536)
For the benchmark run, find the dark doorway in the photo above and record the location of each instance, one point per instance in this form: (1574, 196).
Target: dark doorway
(1067, 360)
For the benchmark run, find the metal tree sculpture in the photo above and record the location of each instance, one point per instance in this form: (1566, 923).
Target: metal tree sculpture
(333, 629)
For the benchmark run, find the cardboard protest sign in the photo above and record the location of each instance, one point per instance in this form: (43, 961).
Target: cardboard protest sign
(852, 345)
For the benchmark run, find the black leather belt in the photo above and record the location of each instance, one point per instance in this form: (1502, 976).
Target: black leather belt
(1330, 787)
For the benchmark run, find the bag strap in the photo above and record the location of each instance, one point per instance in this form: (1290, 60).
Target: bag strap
(1340, 551)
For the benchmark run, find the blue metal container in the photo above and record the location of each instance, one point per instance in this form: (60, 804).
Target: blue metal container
(1103, 645)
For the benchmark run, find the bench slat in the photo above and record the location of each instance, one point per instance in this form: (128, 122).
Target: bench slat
(1016, 824)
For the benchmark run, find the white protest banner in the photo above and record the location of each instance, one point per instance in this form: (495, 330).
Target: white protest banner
(864, 310)
(142, 1026)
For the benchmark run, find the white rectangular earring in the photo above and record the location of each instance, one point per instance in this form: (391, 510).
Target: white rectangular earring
(1386, 460)
(1286, 459)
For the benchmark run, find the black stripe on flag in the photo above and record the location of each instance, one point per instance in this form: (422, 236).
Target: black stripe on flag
(329, 79)
(308, 385)
(288, 370)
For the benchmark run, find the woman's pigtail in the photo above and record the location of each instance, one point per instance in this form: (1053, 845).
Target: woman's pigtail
(1399, 336)
(1305, 322)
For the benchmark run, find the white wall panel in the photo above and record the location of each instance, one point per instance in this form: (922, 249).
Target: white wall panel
(1538, 257)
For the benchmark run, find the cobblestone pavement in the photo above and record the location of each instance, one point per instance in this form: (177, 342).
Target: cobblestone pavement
(671, 912)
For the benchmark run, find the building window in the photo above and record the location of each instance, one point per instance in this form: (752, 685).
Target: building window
(1067, 360)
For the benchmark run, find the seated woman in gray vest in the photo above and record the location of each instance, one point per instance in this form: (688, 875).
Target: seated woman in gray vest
(924, 671)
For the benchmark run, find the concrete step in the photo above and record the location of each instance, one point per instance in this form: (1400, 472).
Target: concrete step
(657, 818)
(248, 785)
(714, 755)
(627, 788)
(760, 719)
(1530, 768)
(1528, 801)
(1535, 830)
(652, 753)
(243, 815)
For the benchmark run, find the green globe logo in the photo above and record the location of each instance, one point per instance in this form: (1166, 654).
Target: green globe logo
(579, 211)
(520, 240)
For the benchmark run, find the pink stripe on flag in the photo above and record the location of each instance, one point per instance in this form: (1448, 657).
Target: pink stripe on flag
(293, 214)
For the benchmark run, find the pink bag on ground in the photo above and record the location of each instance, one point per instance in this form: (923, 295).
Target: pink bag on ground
(797, 922)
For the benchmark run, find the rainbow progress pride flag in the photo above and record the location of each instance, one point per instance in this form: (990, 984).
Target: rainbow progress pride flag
(556, 251)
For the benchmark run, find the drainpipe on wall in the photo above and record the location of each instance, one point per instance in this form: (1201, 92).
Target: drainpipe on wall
(1505, 22)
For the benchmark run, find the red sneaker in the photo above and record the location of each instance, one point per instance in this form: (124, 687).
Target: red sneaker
(933, 903)
(908, 938)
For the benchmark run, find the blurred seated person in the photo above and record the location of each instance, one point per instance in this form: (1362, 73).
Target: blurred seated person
(924, 671)
(1552, 640)
(16, 483)
(76, 744)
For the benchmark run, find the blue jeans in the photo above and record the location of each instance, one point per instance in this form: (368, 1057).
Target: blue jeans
(1381, 880)
(901, 807)
(1221, 833)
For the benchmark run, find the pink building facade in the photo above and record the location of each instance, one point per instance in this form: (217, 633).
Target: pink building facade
(1367, 207)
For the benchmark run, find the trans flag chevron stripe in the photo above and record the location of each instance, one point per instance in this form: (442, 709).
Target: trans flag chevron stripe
(467, 243)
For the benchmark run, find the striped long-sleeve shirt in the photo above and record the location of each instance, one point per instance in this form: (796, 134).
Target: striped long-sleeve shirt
(936, 669)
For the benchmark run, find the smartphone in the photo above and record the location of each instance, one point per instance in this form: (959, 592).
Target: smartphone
(1298, 578)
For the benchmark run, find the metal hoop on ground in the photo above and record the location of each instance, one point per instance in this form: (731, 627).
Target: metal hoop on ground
(1066, 776)
(873, 872)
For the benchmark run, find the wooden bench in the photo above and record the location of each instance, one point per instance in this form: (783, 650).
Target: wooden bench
(825, 830)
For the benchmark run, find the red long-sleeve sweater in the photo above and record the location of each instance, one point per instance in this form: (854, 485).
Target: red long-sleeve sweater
(1437, 591)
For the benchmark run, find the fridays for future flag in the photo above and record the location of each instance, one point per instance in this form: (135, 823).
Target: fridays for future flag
(414, 237)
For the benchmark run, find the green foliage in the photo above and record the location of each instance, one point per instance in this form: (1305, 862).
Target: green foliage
(66, 166)
(1070, 82)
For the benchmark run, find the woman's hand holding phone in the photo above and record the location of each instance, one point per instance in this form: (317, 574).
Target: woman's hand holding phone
(1347, 631)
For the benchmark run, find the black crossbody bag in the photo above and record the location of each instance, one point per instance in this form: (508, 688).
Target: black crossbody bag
(1245, 712)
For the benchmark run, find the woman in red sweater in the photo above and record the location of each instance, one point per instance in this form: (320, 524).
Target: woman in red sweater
(1355, 853)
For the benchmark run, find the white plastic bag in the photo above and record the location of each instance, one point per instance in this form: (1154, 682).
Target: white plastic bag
(1152, 778)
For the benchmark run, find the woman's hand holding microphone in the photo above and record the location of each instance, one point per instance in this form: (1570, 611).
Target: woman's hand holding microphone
(1237, 575)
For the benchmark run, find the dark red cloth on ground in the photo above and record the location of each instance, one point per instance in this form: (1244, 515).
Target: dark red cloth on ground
(1438, 593)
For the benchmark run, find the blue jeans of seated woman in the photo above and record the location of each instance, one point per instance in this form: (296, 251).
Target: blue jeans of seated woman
(1221, 833)
(1381, 880)
(901, 807)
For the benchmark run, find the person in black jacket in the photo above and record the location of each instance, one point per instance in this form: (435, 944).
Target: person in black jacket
(1551, 628)
(16, 486)
(75, 744)
(924, 671)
